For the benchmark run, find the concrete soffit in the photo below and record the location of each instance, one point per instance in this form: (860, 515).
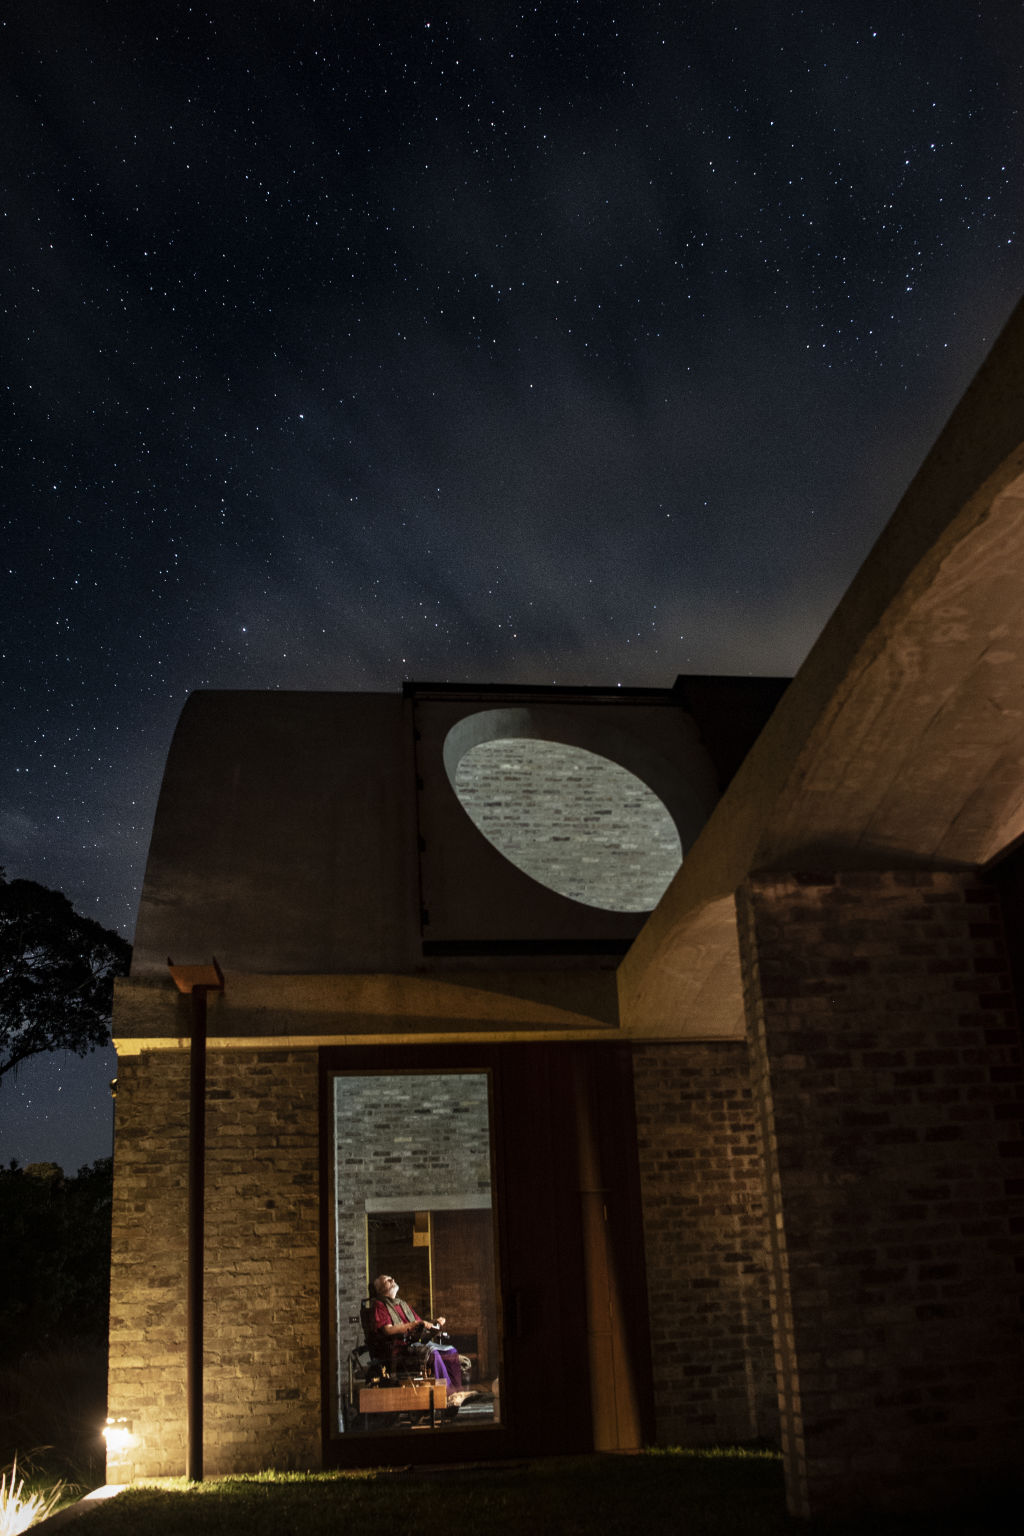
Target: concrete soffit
(900, 743)
(258, 1010)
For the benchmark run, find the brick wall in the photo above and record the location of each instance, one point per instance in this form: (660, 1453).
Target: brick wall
(579, 823)
(263, 1262)
(705, 1239)
(148, 1263)
(262, 1342)
(887, 1066)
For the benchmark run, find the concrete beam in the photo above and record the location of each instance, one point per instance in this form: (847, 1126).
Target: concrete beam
(901, 740)
(326, 1009)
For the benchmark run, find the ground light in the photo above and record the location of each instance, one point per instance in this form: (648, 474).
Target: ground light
(119, 1436)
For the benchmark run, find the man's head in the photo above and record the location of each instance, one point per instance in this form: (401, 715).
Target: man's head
(385, 1286)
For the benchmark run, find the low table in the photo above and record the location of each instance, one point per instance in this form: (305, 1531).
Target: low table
(426, 1397)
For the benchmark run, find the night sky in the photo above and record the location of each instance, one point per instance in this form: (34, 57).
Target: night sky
(569, 343)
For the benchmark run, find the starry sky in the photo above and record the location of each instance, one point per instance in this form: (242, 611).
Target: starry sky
(576, 343)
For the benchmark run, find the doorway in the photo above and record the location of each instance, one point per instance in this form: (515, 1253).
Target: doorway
(412, 1201)
(458, 1173)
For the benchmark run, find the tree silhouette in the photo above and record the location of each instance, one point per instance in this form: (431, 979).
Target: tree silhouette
(57, 972)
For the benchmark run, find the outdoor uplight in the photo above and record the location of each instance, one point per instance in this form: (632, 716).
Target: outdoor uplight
(118, 1435)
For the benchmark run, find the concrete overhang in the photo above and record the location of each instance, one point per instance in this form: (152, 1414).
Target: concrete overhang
(900, 742)
(264, 1010)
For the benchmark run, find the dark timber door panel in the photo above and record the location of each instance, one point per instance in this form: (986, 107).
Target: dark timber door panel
(542, 1254)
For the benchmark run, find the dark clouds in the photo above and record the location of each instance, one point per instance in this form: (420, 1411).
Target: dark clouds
(584, 343)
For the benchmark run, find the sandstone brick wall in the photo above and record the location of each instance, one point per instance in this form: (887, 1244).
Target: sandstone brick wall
(262, 1340)
(887, 1063)
(148, 1264)
(706, 1244)
(263, 1381)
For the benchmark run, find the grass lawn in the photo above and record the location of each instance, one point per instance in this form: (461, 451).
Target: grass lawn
(694, 1494)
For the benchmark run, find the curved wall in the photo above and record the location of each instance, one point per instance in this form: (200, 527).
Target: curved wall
(320, 832)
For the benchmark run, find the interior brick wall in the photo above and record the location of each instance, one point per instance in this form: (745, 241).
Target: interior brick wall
(261, 1297)
(887, 1066)
(706, 1244)
(401, 1136)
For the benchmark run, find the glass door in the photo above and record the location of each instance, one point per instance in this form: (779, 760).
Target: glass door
(414, 1294)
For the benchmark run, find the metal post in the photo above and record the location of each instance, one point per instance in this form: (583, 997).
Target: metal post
(196, 1200)
(196, 980)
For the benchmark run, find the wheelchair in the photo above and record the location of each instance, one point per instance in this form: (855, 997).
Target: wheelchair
(394, 1388)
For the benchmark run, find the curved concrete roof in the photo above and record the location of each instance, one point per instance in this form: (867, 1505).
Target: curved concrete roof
(320, 833)
(901, 740)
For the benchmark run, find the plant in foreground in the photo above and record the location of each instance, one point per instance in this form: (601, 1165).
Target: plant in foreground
(18, 1509)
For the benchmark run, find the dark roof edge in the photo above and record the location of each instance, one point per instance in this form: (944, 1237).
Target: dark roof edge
(415, 690)
(411, 689)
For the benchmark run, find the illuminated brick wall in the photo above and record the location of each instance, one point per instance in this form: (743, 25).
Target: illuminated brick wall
(148, 1264)
(888, 1071)
(576, 822)
(706, 1244)
(262, 1376)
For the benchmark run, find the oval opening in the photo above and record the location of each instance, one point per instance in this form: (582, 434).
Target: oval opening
(572, 820)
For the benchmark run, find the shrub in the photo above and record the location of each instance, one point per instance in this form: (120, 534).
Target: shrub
(18, 1509)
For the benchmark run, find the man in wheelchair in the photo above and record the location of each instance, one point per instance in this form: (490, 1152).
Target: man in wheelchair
(397, 1335)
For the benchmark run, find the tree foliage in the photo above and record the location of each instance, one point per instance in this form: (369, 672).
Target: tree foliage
(57, 972)
(54, 1256)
